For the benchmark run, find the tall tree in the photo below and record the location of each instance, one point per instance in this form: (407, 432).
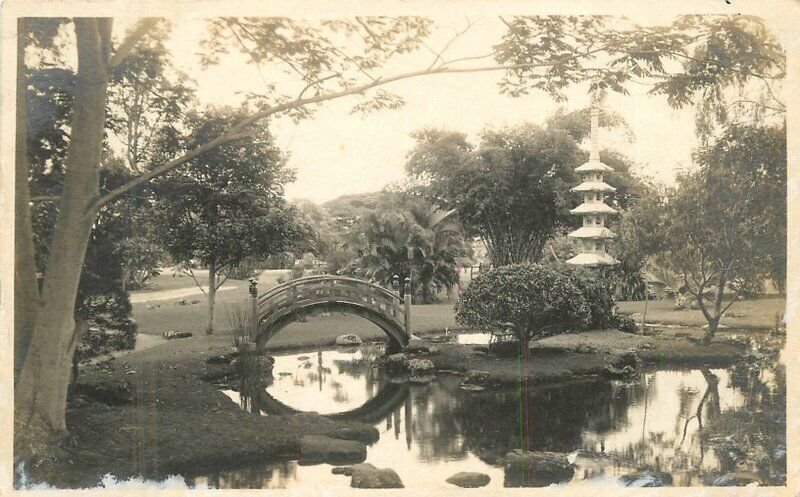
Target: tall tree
(511, 191)
(226, 204)
(726, 222)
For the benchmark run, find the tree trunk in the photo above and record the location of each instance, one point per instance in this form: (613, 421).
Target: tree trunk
(26, 289)
(713, 322)
(40, 400)
(212, 296)
(646, 299)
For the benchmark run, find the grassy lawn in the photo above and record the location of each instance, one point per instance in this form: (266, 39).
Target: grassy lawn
(748, 314)
(317, 330)
(323, 330)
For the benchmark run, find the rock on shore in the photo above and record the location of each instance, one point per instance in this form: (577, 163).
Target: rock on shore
(467, 479)
(536, 469)
(317, 449)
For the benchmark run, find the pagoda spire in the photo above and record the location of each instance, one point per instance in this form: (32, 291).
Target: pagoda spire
(593, 235)
(594, 153)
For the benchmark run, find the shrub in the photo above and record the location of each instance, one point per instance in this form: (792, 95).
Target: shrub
(625, 323)
(599, 294)
(297, 271)
(533, 300)
(248, 267)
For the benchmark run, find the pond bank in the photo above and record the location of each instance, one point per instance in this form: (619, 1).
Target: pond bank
(151, 412)
(585, 354)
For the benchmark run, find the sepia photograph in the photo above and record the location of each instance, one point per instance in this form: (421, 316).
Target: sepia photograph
(309, 248)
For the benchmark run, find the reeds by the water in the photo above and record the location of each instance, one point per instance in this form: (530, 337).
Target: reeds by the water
(243, 328)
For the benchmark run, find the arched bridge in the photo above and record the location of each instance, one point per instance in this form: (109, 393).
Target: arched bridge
(301, 297)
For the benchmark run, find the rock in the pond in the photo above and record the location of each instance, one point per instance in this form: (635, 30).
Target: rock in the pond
(473, 377)
(348, 340)
(319, 449)
(420, 367)
(646, 478)
(172, 334)
(421, 379)
(467, 479)
(536, 469)
(343, 470)
(366, 475)
(396, 363)
(472, 388)
(739, 479)
(624, 365)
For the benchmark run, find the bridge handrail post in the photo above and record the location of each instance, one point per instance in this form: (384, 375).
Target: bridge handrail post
(253, 302)
(407, 304)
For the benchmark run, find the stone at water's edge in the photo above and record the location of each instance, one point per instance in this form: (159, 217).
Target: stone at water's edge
(624, 365)
(536, 469)
(368, 476)
(420, 367)
(469, 480)
(740, 479)
(348, 340)
(396, 363)
(421, 379)
(473, 377)
(646, 478)
(318, 449)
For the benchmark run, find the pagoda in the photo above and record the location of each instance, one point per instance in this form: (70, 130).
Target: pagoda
(593, 235)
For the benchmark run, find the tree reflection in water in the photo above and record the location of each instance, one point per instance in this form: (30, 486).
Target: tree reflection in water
(693, 424)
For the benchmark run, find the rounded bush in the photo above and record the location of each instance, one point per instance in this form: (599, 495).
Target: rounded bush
(625, 323)
(599, 295)
(532, 300)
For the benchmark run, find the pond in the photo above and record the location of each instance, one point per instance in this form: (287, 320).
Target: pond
(675, 421)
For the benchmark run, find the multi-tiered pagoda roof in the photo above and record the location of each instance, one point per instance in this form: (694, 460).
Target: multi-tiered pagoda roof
(593, 235)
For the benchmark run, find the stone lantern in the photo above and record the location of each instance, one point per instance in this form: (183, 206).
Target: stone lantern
(593, 235)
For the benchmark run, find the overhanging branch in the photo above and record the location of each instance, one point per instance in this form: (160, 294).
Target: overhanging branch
(130, 41)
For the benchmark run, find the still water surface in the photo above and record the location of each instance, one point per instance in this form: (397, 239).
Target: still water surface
(429, 432)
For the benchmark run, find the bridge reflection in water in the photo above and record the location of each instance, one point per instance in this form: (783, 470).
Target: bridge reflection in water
(429, 432)
(309, 385)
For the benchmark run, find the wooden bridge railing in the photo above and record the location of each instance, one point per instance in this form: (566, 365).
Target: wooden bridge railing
(291, 296)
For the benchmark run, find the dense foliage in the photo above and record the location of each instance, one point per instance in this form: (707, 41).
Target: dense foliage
(535, 300)
(725, 228)
(412, 240)
(531, 300)
(226, 205)
(598, 293)
(512, 191)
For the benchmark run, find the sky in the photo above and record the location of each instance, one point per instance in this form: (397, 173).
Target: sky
(337, 153)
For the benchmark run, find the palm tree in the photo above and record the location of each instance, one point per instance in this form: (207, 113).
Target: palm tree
(421, 242)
